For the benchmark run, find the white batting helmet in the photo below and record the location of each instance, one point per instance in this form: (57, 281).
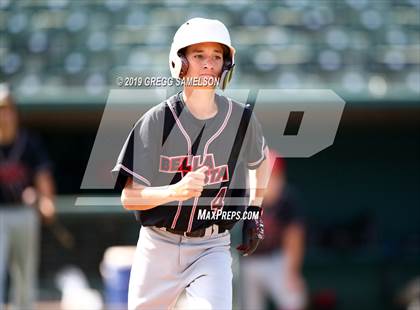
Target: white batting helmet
(199, 30)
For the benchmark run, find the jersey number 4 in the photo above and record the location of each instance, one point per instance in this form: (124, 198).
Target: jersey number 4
(219, 201)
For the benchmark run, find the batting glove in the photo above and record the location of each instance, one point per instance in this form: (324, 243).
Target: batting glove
(252, 233)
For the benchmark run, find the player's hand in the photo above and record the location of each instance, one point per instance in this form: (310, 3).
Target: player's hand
(47, 210)
(191, 185)
(44, 205)
(252, 234)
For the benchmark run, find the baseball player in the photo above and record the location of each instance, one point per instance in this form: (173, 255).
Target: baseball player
(25, 173)
(274, 270)
(189, 155)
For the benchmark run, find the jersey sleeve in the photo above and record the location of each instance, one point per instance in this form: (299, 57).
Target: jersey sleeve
(290, 207)
(138, 156)
(255, 144)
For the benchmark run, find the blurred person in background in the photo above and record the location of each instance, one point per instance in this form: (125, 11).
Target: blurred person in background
(26, 188)
(274, 270)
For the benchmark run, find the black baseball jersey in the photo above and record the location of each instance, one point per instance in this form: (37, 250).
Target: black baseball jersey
(168, 142)
(19, 162)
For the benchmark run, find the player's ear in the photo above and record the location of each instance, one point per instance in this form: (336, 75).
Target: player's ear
(184, 62)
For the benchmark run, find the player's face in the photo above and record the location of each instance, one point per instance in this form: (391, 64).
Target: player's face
(205, 60)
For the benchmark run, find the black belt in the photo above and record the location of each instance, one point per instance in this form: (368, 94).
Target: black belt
(196, 233)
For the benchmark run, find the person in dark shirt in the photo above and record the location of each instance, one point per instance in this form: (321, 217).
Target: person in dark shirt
(275, 268)
(26, 187)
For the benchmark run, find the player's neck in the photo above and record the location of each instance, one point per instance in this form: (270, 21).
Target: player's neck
(200, 102)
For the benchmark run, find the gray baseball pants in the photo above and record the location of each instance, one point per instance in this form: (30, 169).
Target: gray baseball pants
(176, 272)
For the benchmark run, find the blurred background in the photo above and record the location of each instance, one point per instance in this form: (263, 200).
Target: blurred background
(362, 198)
